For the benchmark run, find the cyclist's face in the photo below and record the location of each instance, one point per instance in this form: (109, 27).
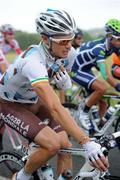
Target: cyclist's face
(61, 48)
(115, 42)
(9, 37)
(78, 40)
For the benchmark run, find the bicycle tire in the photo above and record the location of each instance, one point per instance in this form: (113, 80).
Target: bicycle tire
(10, 162)
(111, 178)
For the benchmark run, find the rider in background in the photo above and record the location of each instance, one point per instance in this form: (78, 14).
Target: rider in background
(27, 97)
(78, 39)
(94, 53)
(7, 43)
(115, 70)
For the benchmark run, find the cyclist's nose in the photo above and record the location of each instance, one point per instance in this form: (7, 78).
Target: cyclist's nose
(69, 44)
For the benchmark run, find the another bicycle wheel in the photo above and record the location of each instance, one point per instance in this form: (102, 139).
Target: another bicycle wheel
(10, 163)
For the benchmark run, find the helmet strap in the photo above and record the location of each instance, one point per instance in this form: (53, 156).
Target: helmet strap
(108, 42)
(47, 50)
(50, 44)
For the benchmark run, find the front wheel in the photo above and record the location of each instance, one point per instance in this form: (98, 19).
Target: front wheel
(10, 163)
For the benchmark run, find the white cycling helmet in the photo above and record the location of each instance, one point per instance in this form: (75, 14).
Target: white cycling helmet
(55, 23)
(7, 28)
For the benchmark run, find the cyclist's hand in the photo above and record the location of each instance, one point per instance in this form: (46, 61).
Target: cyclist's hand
(62, 80)
(95, 155)
(118, 87)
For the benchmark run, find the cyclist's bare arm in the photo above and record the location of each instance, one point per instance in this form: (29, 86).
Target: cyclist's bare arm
(3, 67)
(63, 116)
(105, 72)
(49, 98)
(112, 81)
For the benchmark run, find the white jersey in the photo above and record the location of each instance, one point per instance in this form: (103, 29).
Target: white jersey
(3, 59)
(30, 68)
(6, 47)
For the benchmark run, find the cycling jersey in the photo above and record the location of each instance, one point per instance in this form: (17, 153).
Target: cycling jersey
(2, 57)
(93, 52)
(3, 61)
(116, 59)
(90, 54)
(6, 47)
(29, 69)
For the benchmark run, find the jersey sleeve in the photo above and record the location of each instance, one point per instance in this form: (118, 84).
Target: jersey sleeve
(35, 71)
(99, 53)
(2, 57)
(15, 45)
(116, 59)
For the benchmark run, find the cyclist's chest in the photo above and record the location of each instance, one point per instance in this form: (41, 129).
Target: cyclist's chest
(6, 48)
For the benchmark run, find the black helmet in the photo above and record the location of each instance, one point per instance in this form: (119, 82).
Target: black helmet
(78, 32)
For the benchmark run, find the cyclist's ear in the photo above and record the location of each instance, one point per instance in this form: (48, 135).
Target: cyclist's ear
(45, 39)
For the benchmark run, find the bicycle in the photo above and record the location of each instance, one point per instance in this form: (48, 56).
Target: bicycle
(15, 139)
(9, 159)
(80, 94)
(113, 120)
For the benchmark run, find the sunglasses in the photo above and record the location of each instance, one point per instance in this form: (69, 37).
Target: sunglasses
(115, 37)
(8, 33)
(79, 38)
(62, 42)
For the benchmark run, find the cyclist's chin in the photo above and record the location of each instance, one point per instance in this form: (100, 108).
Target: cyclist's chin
(64, 54)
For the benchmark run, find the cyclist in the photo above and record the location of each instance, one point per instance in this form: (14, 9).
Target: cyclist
(9, 42)
(94, 53)
(116, 65)
(78, 39)
(27, 97)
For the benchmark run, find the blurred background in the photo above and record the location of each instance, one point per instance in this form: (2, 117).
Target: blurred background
(90, 16)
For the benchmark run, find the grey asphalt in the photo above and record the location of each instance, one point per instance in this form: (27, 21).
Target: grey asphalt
(114, 158)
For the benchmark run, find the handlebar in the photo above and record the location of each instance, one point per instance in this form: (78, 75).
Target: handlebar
(112, 96)
(110, 141)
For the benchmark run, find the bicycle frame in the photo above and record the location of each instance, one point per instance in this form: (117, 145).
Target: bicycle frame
(115, 116)
(14, 138)
(108, 124)
(86, 171)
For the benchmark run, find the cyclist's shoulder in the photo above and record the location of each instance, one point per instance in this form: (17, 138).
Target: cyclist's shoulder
(93, 44)
(32, 56)
(99, 43)
(33, 50)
